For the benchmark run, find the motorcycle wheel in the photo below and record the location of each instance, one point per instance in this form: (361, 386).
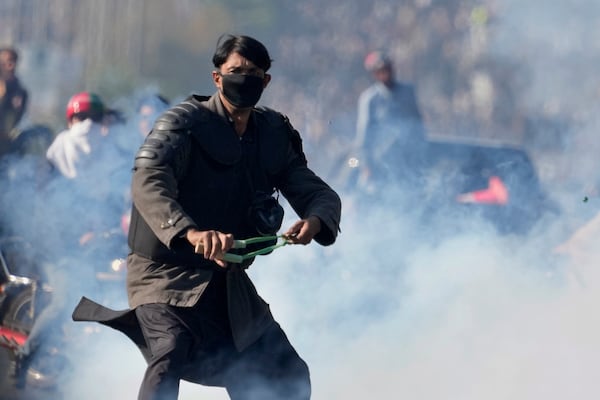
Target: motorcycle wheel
(47, 363)
(18, 315)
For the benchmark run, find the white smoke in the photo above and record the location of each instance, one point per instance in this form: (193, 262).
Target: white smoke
(384, 315)
(477, 316)
(390, 312)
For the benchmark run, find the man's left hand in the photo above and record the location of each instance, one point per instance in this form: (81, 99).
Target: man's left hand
(303, 231)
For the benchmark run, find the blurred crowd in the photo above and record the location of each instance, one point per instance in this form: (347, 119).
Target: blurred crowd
(470, 65)
(474, 65)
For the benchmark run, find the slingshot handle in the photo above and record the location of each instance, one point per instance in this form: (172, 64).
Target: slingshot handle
(234, 258)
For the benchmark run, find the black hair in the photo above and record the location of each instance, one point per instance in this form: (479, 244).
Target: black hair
(107, 115)
(96, 116)
(246, 46)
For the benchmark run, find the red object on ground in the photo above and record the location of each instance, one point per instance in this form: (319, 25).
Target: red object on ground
(11, 338)
(495, 193)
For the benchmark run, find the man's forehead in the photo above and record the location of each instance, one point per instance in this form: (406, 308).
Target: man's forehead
(238, 60)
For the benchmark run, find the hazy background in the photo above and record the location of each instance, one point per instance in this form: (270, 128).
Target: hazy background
(501, 70)
(386, 312)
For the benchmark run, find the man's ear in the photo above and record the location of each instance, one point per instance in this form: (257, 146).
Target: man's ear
(266, 80)
(216, 77)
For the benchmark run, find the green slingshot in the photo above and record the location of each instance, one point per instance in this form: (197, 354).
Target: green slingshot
(281, 241)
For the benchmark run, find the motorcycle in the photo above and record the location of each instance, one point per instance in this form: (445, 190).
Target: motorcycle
(22, 301)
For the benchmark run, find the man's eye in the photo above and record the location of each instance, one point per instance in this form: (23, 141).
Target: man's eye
(256, 72)
(253, 72)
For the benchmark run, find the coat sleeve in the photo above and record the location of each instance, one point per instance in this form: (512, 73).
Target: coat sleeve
(154, 184)
(309, 195)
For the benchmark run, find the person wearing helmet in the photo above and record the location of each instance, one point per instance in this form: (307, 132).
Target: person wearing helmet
(91, 163)
(87, 124)
(93, 169)
(389, 133)
(84, 105)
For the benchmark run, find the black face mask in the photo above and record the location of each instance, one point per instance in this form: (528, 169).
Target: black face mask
(242, 90)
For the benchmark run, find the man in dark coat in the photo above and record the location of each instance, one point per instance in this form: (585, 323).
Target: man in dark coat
(204, 177)
(13, 97)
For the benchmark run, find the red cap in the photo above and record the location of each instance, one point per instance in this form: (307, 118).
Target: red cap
(376, 60)
(84, 102)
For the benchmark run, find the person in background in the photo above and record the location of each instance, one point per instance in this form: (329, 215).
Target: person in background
(92, 165)
(390, 134)
(205, 176)
(88, 121)
(148, 109)
(13, 97)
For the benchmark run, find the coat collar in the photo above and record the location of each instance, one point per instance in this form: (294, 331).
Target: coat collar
(214, 132)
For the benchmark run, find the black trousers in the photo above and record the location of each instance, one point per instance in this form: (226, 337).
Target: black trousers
(197, 340)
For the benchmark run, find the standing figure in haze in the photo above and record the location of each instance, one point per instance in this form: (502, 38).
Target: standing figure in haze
(13, 98)
(91, 166)
(390, 134)
(205, 176)
(148, 109)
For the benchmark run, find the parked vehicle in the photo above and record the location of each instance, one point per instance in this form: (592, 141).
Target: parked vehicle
(498, 183)
(459, 181)
(22, 301)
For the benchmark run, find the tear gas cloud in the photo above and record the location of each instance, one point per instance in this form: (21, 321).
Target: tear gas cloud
(391, 310)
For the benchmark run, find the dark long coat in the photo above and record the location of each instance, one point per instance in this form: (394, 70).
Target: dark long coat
(212, 194)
